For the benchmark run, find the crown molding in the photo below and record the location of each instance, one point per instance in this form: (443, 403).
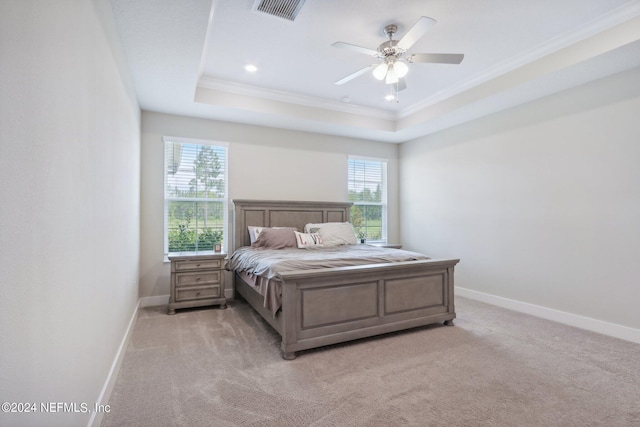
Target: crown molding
(209, 82)
(590, 29)
(604, 22)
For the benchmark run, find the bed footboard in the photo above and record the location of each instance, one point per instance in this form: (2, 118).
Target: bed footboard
(332, 305)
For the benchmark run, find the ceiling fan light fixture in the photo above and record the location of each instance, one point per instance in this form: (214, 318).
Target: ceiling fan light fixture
(380, 71)
(392, 77)
(400, 68)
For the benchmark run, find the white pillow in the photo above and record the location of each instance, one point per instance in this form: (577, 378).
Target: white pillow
(305, 240)
(334, 233)
(254, 232)
(314, 227)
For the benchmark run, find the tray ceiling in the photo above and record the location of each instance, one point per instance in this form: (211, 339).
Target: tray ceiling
(188, 58)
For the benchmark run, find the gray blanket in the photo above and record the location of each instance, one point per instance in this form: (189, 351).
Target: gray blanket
(270, 262)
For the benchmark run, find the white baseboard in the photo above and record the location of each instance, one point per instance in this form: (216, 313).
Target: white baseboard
(582, 322)
(105, 393)
(153, 301)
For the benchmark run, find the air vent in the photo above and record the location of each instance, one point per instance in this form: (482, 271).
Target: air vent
(285, 9)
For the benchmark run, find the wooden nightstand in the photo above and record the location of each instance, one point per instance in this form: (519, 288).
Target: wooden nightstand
(197, 280)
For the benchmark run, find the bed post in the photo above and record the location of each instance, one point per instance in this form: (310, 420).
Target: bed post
(290, 313)
(450, 297)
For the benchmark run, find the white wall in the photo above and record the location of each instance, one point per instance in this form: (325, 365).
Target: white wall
(69, 205)
(264, 163)
(541, 203)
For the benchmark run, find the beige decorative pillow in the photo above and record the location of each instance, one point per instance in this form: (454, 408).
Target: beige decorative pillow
(305, 240)
(334, 233)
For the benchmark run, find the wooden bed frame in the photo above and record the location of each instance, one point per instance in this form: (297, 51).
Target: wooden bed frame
(332, 305)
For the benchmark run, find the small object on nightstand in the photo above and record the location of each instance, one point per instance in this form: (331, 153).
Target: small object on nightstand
(218, 248)
(197, 280)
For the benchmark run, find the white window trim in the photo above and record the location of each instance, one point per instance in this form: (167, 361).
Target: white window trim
(385, 202)
(225, 229)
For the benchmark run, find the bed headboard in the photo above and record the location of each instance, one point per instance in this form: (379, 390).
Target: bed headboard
(278, 213)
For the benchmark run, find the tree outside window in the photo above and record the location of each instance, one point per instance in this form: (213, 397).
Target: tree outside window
(367, 191)
(195, 195)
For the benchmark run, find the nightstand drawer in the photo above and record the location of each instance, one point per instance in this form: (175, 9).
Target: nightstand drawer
(198, 277)
(197, 292)
(198, 264)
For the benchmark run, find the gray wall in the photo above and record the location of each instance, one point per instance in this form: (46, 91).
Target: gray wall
(264, 163)
(69, 205)
(541, 202)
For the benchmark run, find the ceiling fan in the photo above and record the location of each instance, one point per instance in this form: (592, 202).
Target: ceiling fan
(393, 63)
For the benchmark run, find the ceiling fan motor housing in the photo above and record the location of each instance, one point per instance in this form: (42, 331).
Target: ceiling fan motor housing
(390, 49)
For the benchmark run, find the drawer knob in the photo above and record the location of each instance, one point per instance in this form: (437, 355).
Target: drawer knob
(197, 293)
(197, 278)
(197, 265)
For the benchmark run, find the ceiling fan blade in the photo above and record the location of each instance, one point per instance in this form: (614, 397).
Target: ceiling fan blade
(354, 75)
(437, 58)
(416, 32)
(355, 48)
(402, 85)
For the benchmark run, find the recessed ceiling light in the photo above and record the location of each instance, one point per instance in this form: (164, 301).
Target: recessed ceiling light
(251, 68)
(390, 97)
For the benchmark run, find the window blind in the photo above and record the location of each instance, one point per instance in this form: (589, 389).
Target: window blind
(195, 194)
(368, 192)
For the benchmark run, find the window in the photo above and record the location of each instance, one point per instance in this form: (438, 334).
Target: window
(368, 192)
(195, 195)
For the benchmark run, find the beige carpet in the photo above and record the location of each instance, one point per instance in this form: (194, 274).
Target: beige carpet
(494, 368)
